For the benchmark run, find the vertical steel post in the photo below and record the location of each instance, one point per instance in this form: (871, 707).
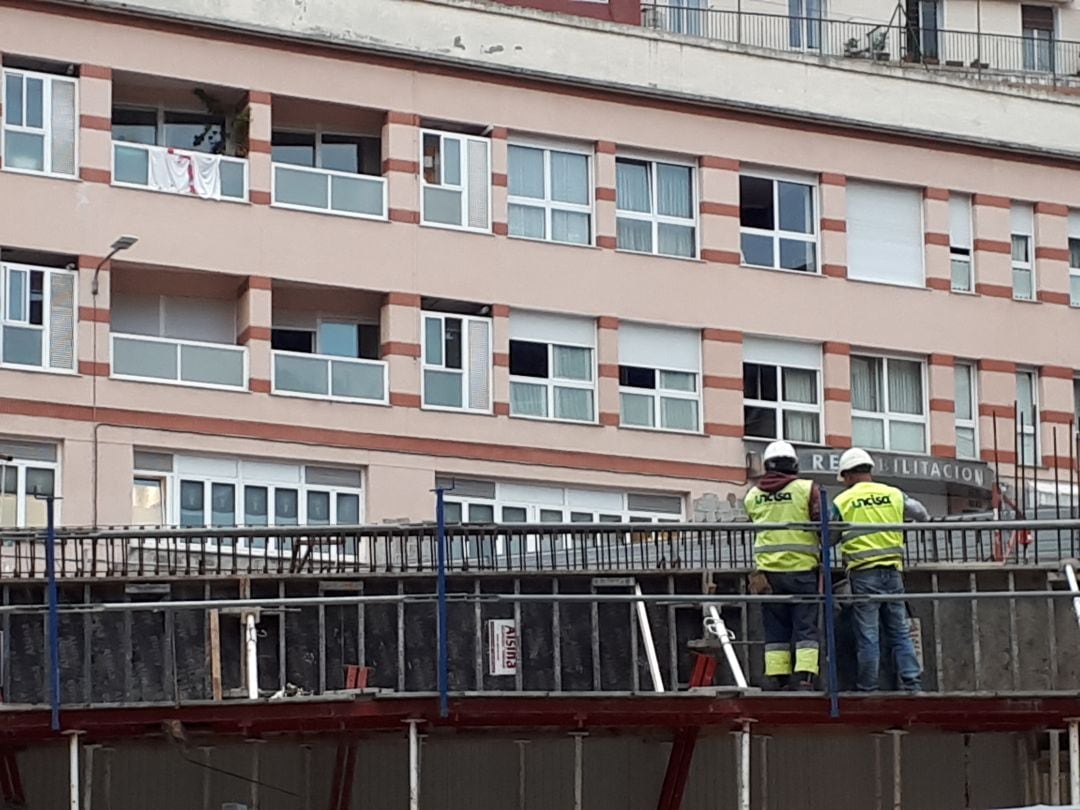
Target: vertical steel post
(1074, 760)
(414, 765)
(579, 769)
(743, 755)
(251, 657)
(444, 649)
(830, 620)
(73, 768)
(1055, 766)
(54, 613)
(897, 769)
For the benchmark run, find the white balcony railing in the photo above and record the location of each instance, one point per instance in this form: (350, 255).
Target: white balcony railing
(180, 171)
(344, 193)
(179, 362)
(320, 376)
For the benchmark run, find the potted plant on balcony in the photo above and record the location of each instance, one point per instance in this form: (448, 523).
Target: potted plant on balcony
(233, 139)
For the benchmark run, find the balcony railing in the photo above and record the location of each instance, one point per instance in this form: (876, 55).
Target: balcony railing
(179, 171)
(1047, 60)
(180, 362)
(321, 376)
(344, 193)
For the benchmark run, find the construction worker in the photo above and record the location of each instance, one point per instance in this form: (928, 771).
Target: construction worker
(874, 561)
(787, 563)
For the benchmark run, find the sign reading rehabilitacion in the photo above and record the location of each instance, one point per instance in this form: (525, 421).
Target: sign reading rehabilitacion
(892, 465)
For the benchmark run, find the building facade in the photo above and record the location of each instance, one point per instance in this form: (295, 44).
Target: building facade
(362, 273)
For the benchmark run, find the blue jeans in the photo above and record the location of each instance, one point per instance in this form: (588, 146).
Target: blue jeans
(893, 615)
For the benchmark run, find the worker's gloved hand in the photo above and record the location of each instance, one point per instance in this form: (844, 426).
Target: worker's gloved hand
(759, 583)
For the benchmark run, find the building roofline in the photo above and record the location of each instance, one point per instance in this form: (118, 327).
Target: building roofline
(730, 108)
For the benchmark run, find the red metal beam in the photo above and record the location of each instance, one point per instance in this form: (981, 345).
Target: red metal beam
(552, 713)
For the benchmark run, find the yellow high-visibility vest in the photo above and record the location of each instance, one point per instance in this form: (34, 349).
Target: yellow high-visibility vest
(783, 549)
(871, 502)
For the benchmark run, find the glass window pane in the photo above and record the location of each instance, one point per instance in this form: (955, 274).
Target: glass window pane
(570, 226)
(35, 103)
(1074, 290)
(1022, 284)
(318, 508)
(800, 385)
(907, 437)
(637, 410)
(759, 382)
(526, 175)
(551, 516)
(22, 345)
(348, 509)
(341, 153)
(756, 203)
(676, 240)
(39, 482)
(569, 178)
(301, 375)
(868, 432)
(356, 195)
(1020, 245)
(17, 295)
(295, 148)
(339, 339)
(800, 426)
(442, 206)
(13, 99)
(199, 132)
(632, 190)
(905, 387)
(678, 380)
(300, 188)
(674, 192)
(760, 422)
(286, 507)
(633, 234)
(679, 414)
(1025, 397)
(481, 513)
(443, 388)
(433, 342)
(961, 274)
(204, 364)
(451, 161)
(24, 150)
(528, 399)
(256, 506)
(452, 512)
(635, 377)
(866, 384)
(223, 505)
(796, 207)
(965, 443)
(147, 504)
(514, 514)
(1027, 449)
(528, 359)
(452, 327)
(527, 221)
(757, 250)
(963, 396)
(797, 255)
(191, 504)
(572, 362)
(574, 403)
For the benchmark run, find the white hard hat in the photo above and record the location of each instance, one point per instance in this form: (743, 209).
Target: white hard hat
(852, 458)
(779, 450)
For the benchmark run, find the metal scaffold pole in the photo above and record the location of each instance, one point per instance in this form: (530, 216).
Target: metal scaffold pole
(54, 614)
(742, 756)
(444, 649)
(414, 764)
(830, 619)
(1074, 760)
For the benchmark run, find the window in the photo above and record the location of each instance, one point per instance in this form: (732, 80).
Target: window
(1023, 269)
(552, 367)
(352, 154)
(781, 390)
(967, 412)
(1074, 258)
(659, 374)
(960, 242)
(1037, 25)
(549, 195)
(777, 223)
(655, 207)
(888, 409)
(37, 317)
(804, 24)
(924, 30)
(456, 181)
(194, 492)
(885, 240)
(682, 16)
(1027, 417)
(33, 471)
(39, 123)
(457, 362)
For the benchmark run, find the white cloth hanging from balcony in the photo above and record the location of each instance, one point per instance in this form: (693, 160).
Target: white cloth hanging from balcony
(186, 173)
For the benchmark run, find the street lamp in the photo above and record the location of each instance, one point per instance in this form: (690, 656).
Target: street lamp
(121, 243)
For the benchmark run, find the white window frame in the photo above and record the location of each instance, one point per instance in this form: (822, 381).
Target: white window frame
(657, 219)
(781, 404)
(659, 393)
(1023, 266)
(21, 465)
(776, 234)
(971, 424)
(887, 416)
(46, 122)
(1074, 269)
(958, 252)
(466, 367)
(46, 322)
(1022, 230)
(1033, 429)
(547, 203)
(463, 187)
(551, 382)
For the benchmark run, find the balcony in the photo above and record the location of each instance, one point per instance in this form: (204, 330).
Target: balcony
(180, 362)
(323, 376)
(328, 158)
(180, 171)
(966, 53)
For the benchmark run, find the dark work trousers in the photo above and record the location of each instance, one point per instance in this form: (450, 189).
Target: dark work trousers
(791, 625)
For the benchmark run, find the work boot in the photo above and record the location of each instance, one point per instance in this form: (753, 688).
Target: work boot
(802, 682)
(775, 683)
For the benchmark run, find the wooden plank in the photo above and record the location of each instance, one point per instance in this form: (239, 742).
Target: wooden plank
(215, 654)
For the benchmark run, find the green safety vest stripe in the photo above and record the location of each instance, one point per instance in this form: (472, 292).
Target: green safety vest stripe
(869, 503)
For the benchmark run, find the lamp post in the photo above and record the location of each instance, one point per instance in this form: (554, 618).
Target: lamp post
(119, 244)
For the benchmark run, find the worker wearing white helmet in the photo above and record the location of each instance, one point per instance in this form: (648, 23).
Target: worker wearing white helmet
(874, 561)
(788, 561)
